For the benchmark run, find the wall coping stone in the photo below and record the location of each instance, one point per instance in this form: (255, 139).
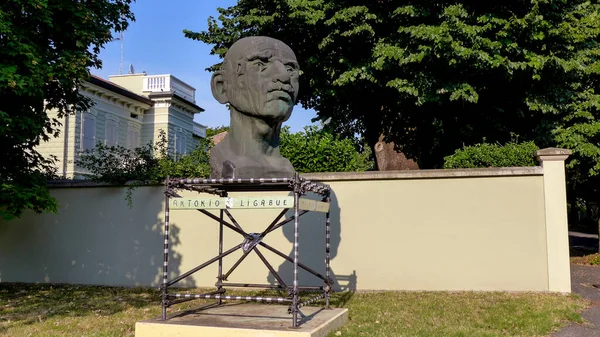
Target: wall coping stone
(553, 151)
(368, 175)
(552, 154)
(427, 174)
(62, 183)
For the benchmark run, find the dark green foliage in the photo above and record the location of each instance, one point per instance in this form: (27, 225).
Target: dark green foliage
(30, 193)
(46, 49)
(149, 164)
(315, 150)
(194, 164)
(432, 75)
(118, 165)
(493, 155)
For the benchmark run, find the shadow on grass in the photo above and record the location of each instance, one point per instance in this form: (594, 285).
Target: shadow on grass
(33, 303)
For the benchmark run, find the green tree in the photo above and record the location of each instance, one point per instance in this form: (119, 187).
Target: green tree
(316, 150)
(433, 76)
(46, 49)
(149, 164)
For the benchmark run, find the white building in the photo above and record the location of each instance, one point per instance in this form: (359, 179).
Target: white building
(129, 111)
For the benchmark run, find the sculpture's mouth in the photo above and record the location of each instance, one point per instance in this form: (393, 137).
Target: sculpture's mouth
(280, 94)
(281, 91)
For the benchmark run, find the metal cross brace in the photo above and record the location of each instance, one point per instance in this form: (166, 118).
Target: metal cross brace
(235, 226)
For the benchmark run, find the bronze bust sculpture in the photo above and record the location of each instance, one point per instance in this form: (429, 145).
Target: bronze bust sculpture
(259, 80)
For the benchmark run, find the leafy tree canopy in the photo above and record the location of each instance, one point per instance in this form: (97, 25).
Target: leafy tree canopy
(46, 49)
(436, 75)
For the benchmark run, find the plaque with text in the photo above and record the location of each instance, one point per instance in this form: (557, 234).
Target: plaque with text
(247, 203)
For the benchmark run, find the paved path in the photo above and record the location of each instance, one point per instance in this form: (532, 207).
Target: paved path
(583, 279)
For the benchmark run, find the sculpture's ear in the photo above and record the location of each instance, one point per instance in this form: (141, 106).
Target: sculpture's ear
(217, 86)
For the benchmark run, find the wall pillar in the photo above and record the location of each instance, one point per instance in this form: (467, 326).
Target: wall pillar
(555, 202)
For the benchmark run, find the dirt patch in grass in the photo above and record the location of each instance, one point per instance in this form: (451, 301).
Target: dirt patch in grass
(66, 310)
(587, 260)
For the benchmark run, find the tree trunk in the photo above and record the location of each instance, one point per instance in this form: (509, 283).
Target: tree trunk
(388, 159)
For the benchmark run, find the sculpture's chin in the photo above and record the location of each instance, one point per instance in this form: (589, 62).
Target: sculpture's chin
(277, 110)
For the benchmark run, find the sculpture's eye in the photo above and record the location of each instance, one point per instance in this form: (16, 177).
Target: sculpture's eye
(261, 66)
(291, 68)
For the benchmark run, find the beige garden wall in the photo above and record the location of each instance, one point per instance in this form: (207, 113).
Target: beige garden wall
(484, 229)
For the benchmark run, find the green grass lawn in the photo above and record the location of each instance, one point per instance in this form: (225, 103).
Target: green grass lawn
(65, 310)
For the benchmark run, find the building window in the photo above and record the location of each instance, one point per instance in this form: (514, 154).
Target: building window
(111, 133)
(88, 132)
(133, 137)
(180, 144)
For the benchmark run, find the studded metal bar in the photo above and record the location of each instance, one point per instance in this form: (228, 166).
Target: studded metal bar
(310, 301)
(179, 299)
(318, 188)
(301, 265)
(209, 262)
(225, 223)
(172, 302)
(236, 298)
(272, 286)
(253, 285)
(208, 189)
(165, 259)
(233, 221)
(220, 276)
(236, 264)
(271, 269)
(292, 218)
(274, 222)
(205, 185)
(327, 255)
(296, 236)
(229, 181)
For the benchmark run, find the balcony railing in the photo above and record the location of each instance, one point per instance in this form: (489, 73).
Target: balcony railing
(158, 83)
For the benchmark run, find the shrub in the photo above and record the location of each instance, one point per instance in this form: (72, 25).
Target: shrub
(493, 155)
(149, 164)
(316, 150)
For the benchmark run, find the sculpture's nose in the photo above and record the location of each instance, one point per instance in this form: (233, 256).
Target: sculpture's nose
(281, 72)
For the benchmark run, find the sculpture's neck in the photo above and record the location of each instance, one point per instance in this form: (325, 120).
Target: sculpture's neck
(251, 136)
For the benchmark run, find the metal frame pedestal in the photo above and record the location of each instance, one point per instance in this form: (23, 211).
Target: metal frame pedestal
(251, 241)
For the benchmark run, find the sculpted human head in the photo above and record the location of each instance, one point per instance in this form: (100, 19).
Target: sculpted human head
(259, 77)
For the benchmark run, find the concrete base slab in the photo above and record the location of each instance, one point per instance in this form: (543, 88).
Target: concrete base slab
(246, 320)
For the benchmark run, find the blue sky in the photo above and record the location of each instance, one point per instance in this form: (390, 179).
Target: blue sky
(154, 43)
